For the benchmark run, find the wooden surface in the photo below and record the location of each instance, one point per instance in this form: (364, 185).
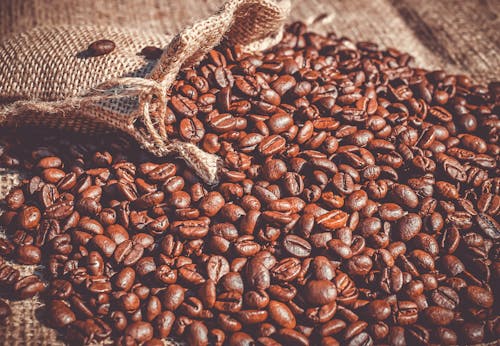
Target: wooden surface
(461, 36)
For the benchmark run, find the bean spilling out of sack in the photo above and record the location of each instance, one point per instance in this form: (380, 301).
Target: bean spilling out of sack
(295, 188)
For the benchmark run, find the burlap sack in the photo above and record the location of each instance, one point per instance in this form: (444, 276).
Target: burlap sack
(47, 80)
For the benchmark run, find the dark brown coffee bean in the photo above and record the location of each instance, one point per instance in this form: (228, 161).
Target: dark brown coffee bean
(15, 199)
(212, 203)
(272, 145)
(320, 292)
(405, 313)
(439, 315)
(291, 336)
(101, 47)
(479, 296)
(29, 254)
(379, 309)
(151, 52)
(217, 267)
(280, 122)
(197, 334)
(445, 297)
(390, 212)
(140, 331)
(359, 265)
(297, 246)
(409, 226)
(472, 332)
(191, 129)
(29, 218)
(60, 314)
(332, 220)
(488, 225)
(172, 297)
(446, 336)
(28, 287)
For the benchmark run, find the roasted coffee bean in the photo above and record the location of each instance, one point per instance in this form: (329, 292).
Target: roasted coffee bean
(29, 254)
(60, 314)
(101, 47)
(379, 309)
(140, 331)
(439, 315)
(151, 52)
(297, 246)
(281, 314)
(172, 297)
(409, 226)
(320, 292)
(29, 218)
(15, 199)
(479, 296)
(445, 297)
(28, 286)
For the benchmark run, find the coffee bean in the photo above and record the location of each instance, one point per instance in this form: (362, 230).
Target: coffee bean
(479, 296)
(28, 287)
(409, 226)
(197, 334)
(379, 309)
(151, 52)
(60, 314)
(212, 203)
(359, 265)
(140, 331)
(217, 267)
(15, 199)
(101, 47)
(472, 332)
(439, 315)
(405, 312)
(29, 218)
(297, 246)
(281, 314)
(29, 254)
(320, 292)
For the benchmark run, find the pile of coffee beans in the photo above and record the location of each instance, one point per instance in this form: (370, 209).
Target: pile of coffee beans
(358, 205)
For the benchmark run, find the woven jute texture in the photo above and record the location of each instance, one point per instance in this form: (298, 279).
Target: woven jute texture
(48, 79)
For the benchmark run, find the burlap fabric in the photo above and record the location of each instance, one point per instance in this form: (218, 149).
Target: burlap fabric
(49, 80)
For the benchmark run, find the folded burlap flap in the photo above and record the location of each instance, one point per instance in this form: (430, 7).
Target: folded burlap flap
(47, 81)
